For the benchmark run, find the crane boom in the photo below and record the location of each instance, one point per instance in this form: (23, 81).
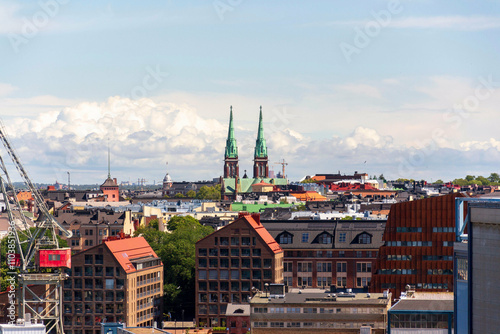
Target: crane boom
(32, 241)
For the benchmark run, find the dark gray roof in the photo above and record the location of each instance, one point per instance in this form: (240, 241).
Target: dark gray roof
(89, 217)
(423, 305)
(352, 229)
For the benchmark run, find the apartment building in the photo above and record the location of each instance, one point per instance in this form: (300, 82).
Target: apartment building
(231, 263)
(321, 253)
(317, 311)
(418, 251)
(120, 280)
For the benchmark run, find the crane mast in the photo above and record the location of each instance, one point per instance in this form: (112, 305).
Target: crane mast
(32, 240)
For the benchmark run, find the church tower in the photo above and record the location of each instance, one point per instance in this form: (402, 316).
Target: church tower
(260, 162)
(231, 166)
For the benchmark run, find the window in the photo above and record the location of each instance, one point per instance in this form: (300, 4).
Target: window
(364, 267)
(341, 267)
(325, 238)
(285, 238)
(235, 241)
(324, 267)
(305, 237)
(359, 254)
(341, 281)
(342, 237)
(341, 253)
(365, 238)
(202, 252)
(288, 267)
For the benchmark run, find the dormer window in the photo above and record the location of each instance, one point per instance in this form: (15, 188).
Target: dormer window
(325, 238)
(285, 238)
(363, 238)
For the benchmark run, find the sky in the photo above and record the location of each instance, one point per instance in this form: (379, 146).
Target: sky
(408, 89)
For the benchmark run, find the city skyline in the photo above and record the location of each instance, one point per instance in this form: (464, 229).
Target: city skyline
(401, 88)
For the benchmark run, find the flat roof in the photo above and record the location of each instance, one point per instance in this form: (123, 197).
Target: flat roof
(305, 297)
(423, 305)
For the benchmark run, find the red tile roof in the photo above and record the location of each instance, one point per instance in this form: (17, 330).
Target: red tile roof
(125, 250)
(264, 234)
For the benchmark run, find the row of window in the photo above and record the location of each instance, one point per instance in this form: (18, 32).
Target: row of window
(414, 271)
(235, 252)
(320, 310)
(409, 243)
(418, 286)
(330, 254)
(235, 241)
(89, 271)
(94, 283)
(235, 274)
(90, 295)
(420, 320)
(361, 267)
(264, 324)
(408, 229)
(89, 308)
(224, 286)
(235, 263)
(424, 258)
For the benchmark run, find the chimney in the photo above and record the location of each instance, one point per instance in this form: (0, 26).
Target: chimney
(256, 217)
(114, 180)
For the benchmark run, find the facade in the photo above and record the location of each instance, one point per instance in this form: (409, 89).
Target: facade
(238, 318)
(319, 312)
(117, 281)
(230, 263)
(321, 253)
(418, 250)
(476, 261)
(423, 313)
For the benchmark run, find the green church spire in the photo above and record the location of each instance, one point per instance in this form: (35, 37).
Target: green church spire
(231, 147)
(260, 144)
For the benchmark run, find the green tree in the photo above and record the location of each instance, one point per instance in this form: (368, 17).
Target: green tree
(210, 193)
(21, 202)
(460, 182)
(177, 252)
(191, 194)
(177, 221)
(381, 177)
(494, 178)
(470, 178)
(309, 180)
(179, 195)
(439, 181)
(153, 223)
(484, 181)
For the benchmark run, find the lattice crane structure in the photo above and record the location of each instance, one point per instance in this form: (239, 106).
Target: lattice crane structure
(38, 259)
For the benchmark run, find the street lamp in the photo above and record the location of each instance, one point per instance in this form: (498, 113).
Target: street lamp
(267, 288)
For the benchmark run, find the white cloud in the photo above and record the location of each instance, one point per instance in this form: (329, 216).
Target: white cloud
(467, 23)
(6, 89)
(360, 89)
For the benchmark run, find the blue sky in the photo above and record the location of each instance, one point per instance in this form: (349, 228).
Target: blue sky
(417, 98)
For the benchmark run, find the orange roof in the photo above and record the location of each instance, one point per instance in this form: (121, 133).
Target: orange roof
(262, 183)
(309, 196)
(125, 250)
(264, 234)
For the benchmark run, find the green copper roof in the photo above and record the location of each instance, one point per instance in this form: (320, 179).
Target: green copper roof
(231, 147)
(260, 144)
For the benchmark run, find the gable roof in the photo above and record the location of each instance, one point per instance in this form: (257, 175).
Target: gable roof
(125, 250)
(263, 233)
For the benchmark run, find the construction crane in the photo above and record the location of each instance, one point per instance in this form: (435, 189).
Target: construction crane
(283, 163)
(37, 256)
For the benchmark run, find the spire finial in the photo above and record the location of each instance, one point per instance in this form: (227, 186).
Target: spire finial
(109, 163)
(231, 148)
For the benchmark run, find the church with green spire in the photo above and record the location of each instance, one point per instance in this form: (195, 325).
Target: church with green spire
(232, 184)
(231, 167)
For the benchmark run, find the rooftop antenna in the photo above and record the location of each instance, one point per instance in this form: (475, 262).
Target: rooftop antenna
(109, 164)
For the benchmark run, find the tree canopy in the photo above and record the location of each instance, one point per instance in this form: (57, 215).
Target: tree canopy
(177, 252)
(211, 193)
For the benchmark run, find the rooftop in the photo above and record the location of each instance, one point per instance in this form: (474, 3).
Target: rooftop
(315, 296)
(127, 250)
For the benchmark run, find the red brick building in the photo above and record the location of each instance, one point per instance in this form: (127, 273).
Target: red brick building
(321, 253)
(418, 251)
(231, 263)
(116, 281)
